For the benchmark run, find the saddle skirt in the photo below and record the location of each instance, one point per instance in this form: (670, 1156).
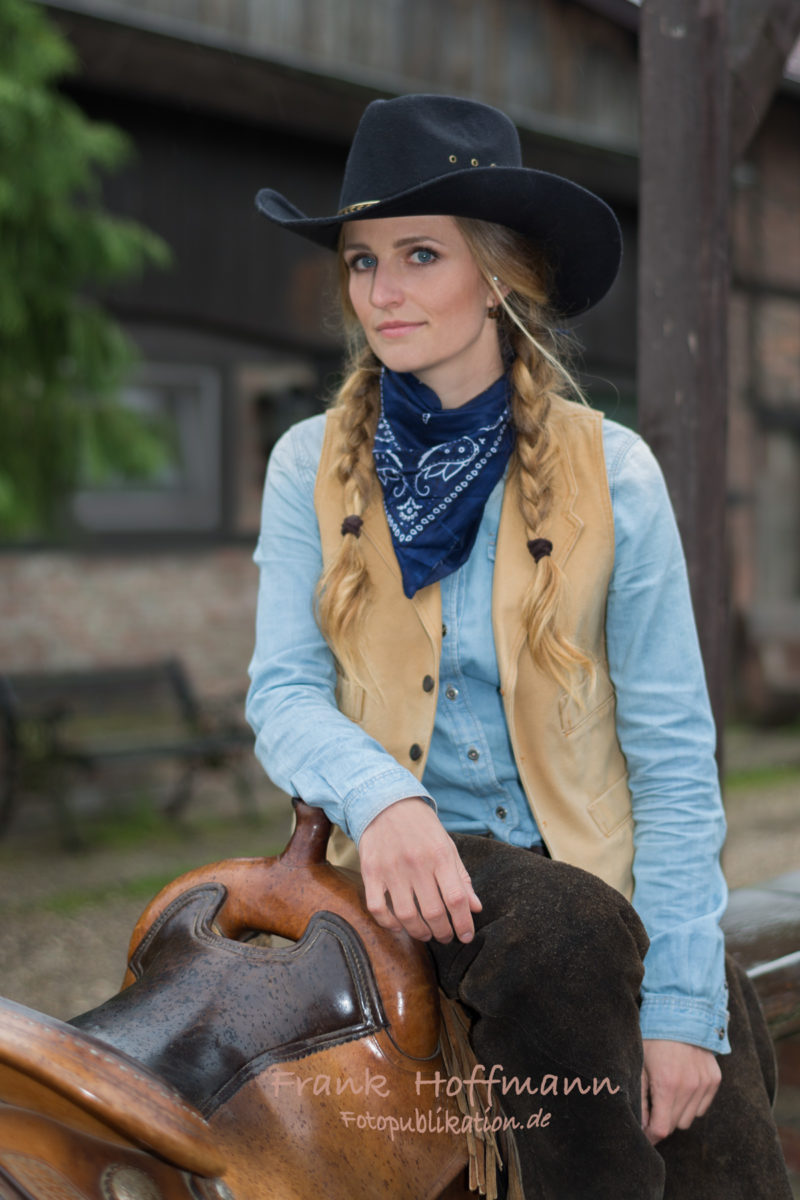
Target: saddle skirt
(226, 1070)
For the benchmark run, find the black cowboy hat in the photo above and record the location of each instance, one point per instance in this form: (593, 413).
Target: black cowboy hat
(429, 154)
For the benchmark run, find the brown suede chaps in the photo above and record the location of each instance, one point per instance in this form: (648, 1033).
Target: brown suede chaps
(551, 983)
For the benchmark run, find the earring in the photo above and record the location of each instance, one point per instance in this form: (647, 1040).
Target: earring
(494, 310)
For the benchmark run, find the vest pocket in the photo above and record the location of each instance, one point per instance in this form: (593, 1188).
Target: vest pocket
(591, 703)
(613, 808)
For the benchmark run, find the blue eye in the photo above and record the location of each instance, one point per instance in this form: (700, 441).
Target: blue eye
(362, 262)
(423, 255)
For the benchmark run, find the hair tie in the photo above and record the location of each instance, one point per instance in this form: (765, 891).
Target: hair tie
(352, 525)
(540, 548)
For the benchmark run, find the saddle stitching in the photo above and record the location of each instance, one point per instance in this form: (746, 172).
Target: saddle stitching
(373, 1017)
(269, 1058)
(216, 891)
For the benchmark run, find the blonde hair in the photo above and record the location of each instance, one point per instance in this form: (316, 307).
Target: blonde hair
(528, 332)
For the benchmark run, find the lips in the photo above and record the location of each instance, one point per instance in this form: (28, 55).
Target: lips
(398, 328)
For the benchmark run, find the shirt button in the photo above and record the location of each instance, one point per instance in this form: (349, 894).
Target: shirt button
(415, 752)
(501, 812)
(428, 683)
(473, 754)
(451, 693)
(721, 1034)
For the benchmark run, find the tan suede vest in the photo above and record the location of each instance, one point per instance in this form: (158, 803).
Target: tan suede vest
(567, 753)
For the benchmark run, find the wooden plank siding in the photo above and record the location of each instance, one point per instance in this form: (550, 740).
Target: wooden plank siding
(223, 97)
(557, 68)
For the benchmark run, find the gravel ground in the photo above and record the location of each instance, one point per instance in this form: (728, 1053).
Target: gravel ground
(67, 915)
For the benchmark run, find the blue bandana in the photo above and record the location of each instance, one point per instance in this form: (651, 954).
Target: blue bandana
(427, 458)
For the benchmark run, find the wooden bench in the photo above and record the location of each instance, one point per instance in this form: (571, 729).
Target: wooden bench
(52, 722)
(762, 929)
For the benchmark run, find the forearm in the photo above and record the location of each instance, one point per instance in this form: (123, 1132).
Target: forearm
(304, 743)
(680, 892)
(309, 749)
(667, 735)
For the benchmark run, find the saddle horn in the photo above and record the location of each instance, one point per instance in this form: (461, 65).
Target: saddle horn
(280, 894)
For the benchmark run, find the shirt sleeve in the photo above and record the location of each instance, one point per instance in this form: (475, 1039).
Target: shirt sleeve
(307, 747)
(667, 734)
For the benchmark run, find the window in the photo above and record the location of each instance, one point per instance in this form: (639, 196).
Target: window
(181, 406)
(272, 396)
(779, 514)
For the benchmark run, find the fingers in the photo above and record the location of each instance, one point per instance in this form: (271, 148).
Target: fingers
(396, 906)
(425, 912)
(699, 1100)
(661, 1119)
(413, 876)
(679, 1083)
(377, 903)
(645, 1100)
(429, 905)
(448, 901)
(475, 905)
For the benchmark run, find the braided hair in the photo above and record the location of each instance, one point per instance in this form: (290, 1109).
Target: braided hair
(539, 354)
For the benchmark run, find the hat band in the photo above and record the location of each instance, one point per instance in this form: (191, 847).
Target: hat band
(356, 207)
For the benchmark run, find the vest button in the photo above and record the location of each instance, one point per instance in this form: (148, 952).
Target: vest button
(444, 631)
(428, 683)
(473, 754)
(415, 753)
(501, 812)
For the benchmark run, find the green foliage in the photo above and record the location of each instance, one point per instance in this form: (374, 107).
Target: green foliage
(62, 359)
(749, 778)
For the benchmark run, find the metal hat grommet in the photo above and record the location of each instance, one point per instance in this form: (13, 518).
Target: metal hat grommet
(423, 155)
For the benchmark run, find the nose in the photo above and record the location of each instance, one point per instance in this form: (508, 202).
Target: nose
(385, 290)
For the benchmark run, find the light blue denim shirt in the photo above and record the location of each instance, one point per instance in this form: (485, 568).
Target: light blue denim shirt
(664, 724)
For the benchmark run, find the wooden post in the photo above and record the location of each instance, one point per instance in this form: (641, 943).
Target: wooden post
(683, 289)
(708, 70)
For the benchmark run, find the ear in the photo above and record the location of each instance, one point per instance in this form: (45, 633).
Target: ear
(496, 286)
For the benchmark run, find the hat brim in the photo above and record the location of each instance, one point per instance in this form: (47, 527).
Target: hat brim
(576, 229)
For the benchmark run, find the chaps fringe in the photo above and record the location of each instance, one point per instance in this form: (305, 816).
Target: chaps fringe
(485, 1158)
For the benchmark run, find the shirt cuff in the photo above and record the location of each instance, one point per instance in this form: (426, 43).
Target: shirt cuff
(365, 802)
(681, 1019)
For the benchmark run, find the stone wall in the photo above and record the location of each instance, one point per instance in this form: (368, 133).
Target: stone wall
(74, 610)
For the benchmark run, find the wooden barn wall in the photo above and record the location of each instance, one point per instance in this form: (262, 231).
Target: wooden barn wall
(552, 64)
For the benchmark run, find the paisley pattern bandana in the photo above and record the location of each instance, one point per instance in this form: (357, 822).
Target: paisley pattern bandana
(437, 467)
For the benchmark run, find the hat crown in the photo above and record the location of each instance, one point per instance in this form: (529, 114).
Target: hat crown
(403, 143)
(434, 154)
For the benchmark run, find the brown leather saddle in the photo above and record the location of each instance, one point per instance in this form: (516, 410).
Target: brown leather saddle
(231, 1070)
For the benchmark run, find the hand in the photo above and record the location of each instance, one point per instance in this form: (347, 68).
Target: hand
(679, 1082)
(409, 859)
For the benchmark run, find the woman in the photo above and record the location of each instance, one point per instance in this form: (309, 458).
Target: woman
(474, 620)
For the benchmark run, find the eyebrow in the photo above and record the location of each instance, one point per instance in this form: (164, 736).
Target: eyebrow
(398, 245)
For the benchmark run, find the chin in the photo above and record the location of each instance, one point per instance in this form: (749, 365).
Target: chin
(403, 363)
